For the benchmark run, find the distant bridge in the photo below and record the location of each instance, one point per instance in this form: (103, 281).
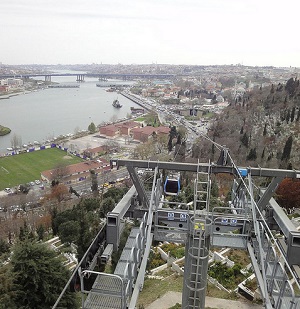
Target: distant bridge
(80, 76)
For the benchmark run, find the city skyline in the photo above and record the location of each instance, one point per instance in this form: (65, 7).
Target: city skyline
(175, 32)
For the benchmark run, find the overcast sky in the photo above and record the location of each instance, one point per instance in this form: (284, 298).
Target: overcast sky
(250, 32)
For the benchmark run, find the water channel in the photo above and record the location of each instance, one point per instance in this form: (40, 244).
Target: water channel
(47, 113)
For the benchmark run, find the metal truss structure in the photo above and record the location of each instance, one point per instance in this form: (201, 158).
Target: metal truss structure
(249, 222)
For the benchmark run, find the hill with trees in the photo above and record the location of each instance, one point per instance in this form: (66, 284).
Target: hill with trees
(261, 128)
(4, 130)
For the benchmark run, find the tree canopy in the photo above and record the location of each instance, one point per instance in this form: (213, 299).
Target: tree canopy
(38, 277)
(92, 128)
(288, 194)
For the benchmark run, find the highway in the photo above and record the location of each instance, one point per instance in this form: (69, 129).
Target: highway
(164, 112)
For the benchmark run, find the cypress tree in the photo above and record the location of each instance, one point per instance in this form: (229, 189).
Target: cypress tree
(214, 188)
(245, 140)
(252, 154)
(263, 153)
(170, 144)
(293, 113)
(265, 130)
(290, 86)
(94, 180)
(270, 156)
(287, 149)
(298, 115)
(288, 116)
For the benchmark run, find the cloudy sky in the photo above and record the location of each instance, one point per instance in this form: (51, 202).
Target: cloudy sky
(251, 32)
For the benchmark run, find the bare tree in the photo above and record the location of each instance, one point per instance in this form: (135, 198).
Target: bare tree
(16, 141)
(60, 172)
(111, 146)
(183, 132)
(161, 143)
(76, 130)
(144, 151)
(59, 192)
(72, 147)
(113, 118)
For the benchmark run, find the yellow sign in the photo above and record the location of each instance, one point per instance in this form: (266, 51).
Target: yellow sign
(199, 226)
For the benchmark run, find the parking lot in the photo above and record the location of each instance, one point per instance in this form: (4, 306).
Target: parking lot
(93, 141)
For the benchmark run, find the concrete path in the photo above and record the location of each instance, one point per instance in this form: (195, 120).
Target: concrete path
(171, 298)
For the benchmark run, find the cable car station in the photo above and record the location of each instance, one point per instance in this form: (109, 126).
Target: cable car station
(248, 222)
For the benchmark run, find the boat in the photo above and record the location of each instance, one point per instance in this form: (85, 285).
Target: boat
(63, 86)
(116, 104)
(135, 110)
(111, 89)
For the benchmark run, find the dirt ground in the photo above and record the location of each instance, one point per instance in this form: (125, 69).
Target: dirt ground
(94, 140)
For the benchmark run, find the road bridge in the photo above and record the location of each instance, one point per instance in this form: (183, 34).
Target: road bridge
(80, 77)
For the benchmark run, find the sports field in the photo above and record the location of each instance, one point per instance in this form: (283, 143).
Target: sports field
(23, 168)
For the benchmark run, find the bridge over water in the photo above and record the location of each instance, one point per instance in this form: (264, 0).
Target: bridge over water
(81, 76)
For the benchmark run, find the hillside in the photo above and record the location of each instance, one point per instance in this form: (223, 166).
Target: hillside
(261, 128)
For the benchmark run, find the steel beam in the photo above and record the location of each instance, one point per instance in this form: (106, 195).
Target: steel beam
(142, 196)
(268, 193)
(258, 276)
(206, 168)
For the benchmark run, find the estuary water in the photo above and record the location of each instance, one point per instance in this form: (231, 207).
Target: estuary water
(47, 113)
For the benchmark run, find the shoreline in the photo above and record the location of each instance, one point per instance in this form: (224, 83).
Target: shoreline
(135, 100)
(7, 96)
(6, 146)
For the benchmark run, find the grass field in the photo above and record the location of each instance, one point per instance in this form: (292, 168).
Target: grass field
(23, 168)
(154, 288)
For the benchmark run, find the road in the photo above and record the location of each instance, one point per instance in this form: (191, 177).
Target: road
(165, 112)
(111, 175)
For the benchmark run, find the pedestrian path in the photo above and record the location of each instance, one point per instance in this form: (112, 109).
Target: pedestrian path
(171, 298)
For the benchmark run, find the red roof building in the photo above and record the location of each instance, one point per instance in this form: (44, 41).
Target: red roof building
(93, 153)
(143, 134)
(126, 127)
(109, 130)
(163, 130)
(3, 88)
(75, 172)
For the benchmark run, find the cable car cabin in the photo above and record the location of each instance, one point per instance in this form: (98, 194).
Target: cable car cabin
(172, 185)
